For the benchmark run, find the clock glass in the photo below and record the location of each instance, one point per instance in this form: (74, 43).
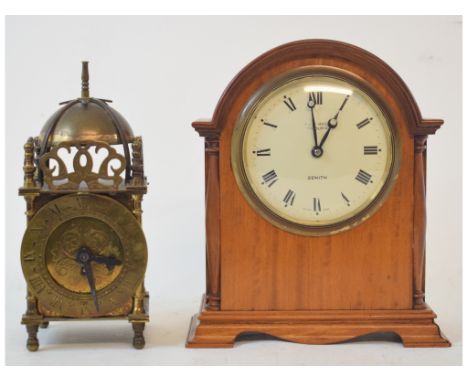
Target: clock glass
(314, 153)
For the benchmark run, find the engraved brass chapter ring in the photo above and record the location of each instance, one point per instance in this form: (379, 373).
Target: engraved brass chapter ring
(115, 243)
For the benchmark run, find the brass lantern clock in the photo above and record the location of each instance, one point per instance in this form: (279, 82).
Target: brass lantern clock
(315, 179)
(84, 252)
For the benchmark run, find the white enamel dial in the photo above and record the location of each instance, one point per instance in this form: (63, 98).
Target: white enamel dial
(316, 150)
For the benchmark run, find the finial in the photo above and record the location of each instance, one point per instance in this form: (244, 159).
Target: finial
(84, 80)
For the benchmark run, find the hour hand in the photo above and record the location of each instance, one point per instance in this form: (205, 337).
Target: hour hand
(333, 122)
(109, 261)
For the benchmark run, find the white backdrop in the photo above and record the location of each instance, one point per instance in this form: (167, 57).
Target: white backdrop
(165, 72)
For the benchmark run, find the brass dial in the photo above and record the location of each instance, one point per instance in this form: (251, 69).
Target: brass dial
(83, 255)
(66, 241)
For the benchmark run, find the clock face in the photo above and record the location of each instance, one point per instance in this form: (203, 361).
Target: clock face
(89, 234)
(83, 255)
(313, 152)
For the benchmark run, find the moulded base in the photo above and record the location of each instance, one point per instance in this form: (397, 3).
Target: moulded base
(219, 329)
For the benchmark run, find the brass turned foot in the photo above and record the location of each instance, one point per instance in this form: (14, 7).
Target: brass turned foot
(32, 344)
(45, 325)
(138, 338)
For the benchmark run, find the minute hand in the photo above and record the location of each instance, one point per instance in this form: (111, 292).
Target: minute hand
(311, 105)
(333, 122)
(92, 286)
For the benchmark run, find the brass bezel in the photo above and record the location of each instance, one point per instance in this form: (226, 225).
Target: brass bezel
(241, 176)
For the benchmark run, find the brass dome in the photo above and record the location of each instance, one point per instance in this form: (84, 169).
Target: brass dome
(85, 119)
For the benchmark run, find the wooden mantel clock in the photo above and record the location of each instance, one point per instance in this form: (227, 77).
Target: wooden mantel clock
(315, 166)
(84, 252)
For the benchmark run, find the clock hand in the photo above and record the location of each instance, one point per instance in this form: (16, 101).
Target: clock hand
(84, 256)
(92, 286)
(109, 261)
(311, 104)
(333, 122)
(316, 150)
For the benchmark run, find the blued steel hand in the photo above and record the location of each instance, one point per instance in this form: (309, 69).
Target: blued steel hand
(92, 286)
(109, 261)
(332, 123)
(84, 256)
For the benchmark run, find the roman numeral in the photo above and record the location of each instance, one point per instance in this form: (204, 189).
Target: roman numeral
(317, 98)
(346, 199)
(56, 302)
(82, 202)
(37, 284)
(37, 228)
(84, 308)
(289, 103)
(29, 256)
(112, 301)
(262, 152)
(55, 210)
(317, 206)
(363, 123)
(363, 177)
(268, 124)
(289, 198)
(371, 150)
(270, 178)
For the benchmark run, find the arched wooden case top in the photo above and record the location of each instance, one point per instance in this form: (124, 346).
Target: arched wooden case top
(261, 278)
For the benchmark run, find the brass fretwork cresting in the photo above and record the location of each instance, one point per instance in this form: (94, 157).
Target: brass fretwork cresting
(108, 176)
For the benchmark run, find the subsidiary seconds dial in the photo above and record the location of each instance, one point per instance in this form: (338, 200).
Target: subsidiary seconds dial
(314, 153)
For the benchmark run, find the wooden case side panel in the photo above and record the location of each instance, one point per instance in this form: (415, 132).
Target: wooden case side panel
(265, 268)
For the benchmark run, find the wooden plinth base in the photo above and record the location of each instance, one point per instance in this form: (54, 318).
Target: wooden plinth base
(219, 329)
